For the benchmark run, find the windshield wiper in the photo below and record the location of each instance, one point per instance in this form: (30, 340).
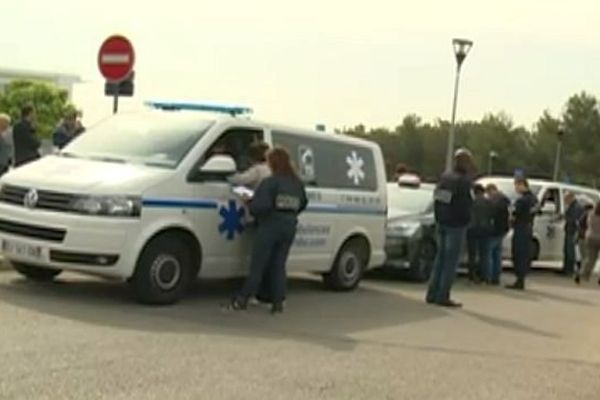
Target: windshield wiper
(110, 160)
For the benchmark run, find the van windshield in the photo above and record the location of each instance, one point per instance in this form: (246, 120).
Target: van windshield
(155, 139)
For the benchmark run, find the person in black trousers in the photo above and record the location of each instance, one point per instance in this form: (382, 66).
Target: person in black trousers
(522, 219)
(276, 204)
(26, 143)
(573, 213)
(479, 237)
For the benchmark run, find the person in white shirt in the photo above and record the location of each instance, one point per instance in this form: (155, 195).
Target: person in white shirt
(258, 171)
(6, 148)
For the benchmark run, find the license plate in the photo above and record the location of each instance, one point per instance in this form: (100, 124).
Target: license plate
(21, 250)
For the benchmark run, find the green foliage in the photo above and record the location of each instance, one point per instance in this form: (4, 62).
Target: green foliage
(50, 102)
(422, 146)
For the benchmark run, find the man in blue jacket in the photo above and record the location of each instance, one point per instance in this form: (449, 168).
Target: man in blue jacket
(68, 130)
(452, 206)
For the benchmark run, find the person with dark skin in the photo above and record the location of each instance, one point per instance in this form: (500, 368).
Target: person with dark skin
(478, 237)
(501, 226)
(452, 207)
(522, 222)
(573, 213)
(26, 143)
(276, 204)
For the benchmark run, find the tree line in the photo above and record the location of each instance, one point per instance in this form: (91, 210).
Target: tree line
(422, 145)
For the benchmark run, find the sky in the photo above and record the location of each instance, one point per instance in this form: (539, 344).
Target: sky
(339, 63)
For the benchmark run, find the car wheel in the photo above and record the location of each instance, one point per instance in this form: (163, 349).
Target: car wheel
(348, 267)
(164, 271)
(422, 263)
(37, 274)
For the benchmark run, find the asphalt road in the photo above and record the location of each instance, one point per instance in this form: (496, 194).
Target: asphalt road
(82, 338)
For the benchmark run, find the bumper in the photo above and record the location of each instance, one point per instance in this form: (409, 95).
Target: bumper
(400, 251)
(96, 245)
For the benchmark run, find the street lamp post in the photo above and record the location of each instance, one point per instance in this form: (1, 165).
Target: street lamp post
(492, 156)
(559, 141)
(461, 49)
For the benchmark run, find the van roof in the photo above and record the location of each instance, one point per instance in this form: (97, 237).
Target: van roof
(540, 182)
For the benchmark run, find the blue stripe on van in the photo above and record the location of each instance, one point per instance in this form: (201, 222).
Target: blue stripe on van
(179, 203)
(212, 204)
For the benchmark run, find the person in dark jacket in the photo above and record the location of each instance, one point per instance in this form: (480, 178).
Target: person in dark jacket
(573, 213)
(26, 143)
(501, 226)
(276, 204)
(479, 235)
(452, 208)
(522, 220)
(582, 228)
(68, 130)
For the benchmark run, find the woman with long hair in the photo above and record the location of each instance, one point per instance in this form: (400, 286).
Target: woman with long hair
(276, 204)
(592, 243)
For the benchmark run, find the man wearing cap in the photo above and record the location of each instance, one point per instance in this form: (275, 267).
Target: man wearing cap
(452, 206)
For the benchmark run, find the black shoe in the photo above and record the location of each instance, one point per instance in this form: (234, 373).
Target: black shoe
(449, 304)
(495, 282)
(516, 286)
(277, 308)
(577, 279)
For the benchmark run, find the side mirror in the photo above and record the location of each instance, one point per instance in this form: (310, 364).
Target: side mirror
(219, 165)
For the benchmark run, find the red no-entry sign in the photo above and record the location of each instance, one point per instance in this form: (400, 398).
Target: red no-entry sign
(116, 58)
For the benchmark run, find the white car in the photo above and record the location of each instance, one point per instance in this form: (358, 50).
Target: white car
(548, 229)
(143, 197)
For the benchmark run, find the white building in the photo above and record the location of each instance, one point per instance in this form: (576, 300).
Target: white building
(64, 81)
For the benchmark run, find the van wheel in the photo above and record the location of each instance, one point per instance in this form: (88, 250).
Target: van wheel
(348, 267)
(163, 272)
(37, 274)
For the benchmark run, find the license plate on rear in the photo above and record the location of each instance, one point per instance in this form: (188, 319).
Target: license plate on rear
(21, 250)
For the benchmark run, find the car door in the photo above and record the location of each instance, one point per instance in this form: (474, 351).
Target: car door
(549, 224)
(221, 220)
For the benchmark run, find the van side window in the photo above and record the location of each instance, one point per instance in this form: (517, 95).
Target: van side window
(552, 198)
(330, 163)
(235, 142)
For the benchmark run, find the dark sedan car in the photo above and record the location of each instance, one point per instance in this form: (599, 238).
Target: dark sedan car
(410, 233)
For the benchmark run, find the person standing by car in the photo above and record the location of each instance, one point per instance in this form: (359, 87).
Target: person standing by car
(478, 237)
(276, 205)
(501, 226)
(452, 209)
(522, 221)
(5, 147)
(573, 213)
(592, 244)
(26, 143)
(69, 129)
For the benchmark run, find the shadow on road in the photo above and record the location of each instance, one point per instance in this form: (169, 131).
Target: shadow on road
(312, 315)
(508, 324)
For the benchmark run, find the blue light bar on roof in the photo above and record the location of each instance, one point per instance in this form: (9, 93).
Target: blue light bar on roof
(187, 106)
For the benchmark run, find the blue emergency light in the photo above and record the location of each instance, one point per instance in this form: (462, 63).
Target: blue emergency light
(191, 106)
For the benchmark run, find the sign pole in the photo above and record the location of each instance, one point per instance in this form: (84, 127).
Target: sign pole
(116, 103)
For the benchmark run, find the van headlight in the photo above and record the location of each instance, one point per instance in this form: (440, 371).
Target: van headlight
(116, 206)
(404, 229)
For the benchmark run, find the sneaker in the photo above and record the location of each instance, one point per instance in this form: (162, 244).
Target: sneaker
(237, 305)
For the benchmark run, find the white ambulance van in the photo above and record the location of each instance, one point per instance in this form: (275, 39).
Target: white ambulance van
(143, 197)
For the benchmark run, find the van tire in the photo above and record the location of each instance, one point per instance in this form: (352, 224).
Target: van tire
(349, 266)
(37, 274)
(164, 271)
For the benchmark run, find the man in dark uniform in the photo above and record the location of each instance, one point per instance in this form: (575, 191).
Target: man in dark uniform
(522, 219)
(452, 205)
(26, 143)
(573, 213)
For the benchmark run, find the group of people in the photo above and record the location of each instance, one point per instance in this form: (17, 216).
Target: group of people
(279, 197)
(20, 143)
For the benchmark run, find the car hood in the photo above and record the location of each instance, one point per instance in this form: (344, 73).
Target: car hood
(86, 176)
(398, 215)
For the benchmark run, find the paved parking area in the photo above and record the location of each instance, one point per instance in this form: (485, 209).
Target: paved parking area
(82, 338)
